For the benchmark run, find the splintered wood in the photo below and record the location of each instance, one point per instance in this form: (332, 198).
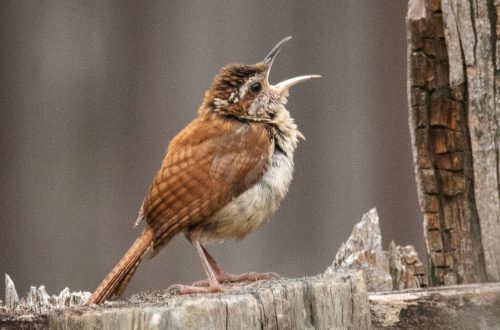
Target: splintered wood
(396, 269)
(337, 301)
(31, 311)
(454, 137)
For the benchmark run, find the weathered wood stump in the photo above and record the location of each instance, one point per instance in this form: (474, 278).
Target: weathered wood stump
(336, 301)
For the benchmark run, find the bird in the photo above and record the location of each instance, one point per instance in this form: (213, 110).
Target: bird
(223, 175)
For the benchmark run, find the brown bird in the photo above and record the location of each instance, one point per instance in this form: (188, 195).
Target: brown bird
(223, 175)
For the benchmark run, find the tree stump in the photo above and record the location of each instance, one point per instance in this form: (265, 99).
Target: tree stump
(321, 302)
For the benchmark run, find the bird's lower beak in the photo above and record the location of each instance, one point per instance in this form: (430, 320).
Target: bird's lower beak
(283, 86)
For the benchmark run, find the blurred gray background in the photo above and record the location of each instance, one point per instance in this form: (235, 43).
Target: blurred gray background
(92, 91)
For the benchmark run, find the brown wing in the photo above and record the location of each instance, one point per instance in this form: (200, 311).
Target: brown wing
(208, 163)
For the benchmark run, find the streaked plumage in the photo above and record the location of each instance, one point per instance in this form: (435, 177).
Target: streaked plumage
(223, 175)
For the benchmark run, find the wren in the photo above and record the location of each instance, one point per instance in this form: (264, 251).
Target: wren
(223, 176)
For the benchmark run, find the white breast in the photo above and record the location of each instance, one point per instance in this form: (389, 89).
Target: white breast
(255, 206)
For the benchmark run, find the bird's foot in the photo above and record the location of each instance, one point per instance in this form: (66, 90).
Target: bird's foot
(234, 281)
(232, 278)
(188, 289)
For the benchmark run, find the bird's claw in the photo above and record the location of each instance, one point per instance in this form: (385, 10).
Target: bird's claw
(246, 277)
(189, 289)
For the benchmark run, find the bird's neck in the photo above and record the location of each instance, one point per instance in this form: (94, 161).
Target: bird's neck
(282, 126)
(286, 133)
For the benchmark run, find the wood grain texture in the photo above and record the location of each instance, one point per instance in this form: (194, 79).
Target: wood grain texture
(338, 301)
(459, 307)
(31, 311)
(396, 269)
(484, 122)
(473, 25)
(453, 121)
(320, 302)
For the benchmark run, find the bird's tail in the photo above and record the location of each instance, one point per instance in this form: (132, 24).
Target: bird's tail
(118, 278)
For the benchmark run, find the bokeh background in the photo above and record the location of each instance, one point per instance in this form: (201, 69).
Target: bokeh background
(92, 91)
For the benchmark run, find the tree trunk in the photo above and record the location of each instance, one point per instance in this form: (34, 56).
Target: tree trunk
(454, 125)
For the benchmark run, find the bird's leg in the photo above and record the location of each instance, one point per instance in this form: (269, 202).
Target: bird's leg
(224, 277)
(219, 272)
(212, 284)
(215, 274)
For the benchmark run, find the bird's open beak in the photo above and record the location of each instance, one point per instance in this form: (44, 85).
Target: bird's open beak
(283, 86)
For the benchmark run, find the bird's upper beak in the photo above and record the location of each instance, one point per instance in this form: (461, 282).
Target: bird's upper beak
(283, 86)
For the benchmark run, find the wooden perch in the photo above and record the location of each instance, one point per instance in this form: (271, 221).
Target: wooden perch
(321, 302)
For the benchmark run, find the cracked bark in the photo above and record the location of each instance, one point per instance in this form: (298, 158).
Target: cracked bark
(453, 116)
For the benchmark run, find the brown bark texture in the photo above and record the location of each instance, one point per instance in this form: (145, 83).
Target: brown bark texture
(453, 118)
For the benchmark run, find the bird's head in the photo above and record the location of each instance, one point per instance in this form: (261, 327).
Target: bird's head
(244, 91)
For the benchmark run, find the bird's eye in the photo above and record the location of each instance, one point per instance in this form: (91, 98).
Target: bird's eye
(256, 87)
